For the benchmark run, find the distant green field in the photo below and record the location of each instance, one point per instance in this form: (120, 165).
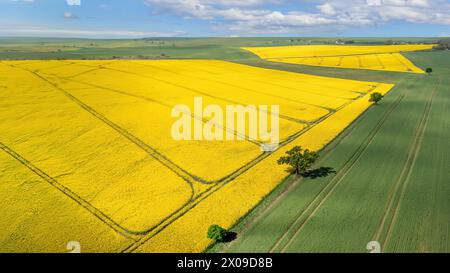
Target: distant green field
(205, 48)
(391, 184)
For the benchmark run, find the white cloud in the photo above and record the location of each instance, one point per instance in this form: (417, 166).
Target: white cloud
(73, 2)
(237, 16)
(326, 9)
(70, 15)
(373, 2)
(253, 16)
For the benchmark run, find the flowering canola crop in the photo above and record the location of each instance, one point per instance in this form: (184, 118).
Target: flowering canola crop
(387, 57)
(86, 152)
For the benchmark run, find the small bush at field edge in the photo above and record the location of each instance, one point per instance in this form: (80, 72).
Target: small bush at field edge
(376, 97)
(217, 233)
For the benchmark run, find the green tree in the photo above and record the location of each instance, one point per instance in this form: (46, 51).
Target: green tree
(429, 70)
(300, 160)
(217, 233)
(376, 97)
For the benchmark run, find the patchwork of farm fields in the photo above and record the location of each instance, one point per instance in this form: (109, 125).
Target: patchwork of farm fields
(387, 58)
(94, 139)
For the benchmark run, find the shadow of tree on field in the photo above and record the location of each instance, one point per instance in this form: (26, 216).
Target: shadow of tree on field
(230, 236)
(319, 173)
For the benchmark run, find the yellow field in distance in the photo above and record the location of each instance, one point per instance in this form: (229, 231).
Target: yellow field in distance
(386, 57)
(86, 152)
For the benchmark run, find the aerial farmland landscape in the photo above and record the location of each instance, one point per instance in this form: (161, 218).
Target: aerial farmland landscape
(226, 141)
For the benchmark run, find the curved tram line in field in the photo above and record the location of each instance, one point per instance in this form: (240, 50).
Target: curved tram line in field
(66, 191)
(141, 237)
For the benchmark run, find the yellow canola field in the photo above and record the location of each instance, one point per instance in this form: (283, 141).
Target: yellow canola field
(38, 218)
(83, 154)
(90, 141)
(386, 57)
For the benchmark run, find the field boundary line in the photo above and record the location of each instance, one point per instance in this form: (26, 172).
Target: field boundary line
(69, 193)
(329, 188)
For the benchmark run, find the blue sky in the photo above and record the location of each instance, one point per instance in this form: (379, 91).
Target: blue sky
(194, 18)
